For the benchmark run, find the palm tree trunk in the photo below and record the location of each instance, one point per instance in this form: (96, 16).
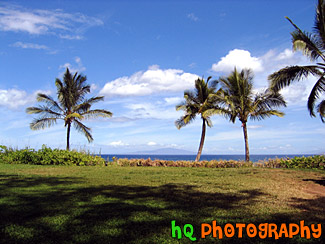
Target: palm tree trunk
(201, 142)
(68, 137)
(246, 142)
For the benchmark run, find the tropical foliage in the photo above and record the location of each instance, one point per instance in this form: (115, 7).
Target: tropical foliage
(311, 45)
(237, 99)
(196, 103)
(72, 106)
(48, 156)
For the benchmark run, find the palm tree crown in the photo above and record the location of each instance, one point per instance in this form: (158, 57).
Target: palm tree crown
(72, 106)
(312, 45)
(238, 100)
(196, 103)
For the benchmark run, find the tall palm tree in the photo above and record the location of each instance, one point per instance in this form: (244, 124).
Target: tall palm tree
(196, 103)
(238, 100)
(72, 106)
(312, 45)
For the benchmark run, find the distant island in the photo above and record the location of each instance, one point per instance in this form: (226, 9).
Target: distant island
(165, 151)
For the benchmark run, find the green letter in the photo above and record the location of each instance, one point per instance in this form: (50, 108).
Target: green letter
(189, 234)
(176, 228)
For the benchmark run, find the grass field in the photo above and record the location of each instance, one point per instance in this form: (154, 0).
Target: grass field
(69, 204)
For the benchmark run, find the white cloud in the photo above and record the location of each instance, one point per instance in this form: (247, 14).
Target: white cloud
(239, 58)
(93, 87)
(192, 16)
(151, 143)
(152, 111)
(154, 80)
(78, 67)
(173, 100)
(38, 21)
(254, 126)
(14, 98)
(266, 64)
(29, 45)
(70, 37)
(118, 144)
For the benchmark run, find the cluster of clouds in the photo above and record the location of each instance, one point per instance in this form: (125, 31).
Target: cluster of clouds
(157, 81)
(15, 98)
(41, 22)
(265, 65)
(25, 45)
(152, 81)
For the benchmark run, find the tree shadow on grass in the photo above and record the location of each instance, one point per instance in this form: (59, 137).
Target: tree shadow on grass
(65, 210)
(318, 181)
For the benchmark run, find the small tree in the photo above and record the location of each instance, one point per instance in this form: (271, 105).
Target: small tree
(72, 107)
(238, 100)
(196, 103)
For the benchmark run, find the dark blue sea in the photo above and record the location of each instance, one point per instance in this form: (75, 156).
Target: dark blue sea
(253, 158)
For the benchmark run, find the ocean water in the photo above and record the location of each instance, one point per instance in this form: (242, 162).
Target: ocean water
(253, 158)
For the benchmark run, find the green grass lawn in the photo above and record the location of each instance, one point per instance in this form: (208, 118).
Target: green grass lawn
(69, 204)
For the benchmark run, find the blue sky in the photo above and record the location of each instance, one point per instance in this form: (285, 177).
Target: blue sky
(142, 55)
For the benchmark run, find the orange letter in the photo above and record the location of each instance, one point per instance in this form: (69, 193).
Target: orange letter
(291, 233)
(272, 229)
(229, 230)
(215, 229)
(318, 230)
(304, 228)
(263, 228)
(283, 230)
(203, 232)
(240, 230)
(251, 230)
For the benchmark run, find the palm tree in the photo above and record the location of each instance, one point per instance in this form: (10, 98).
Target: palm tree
(312, 45)
(72, 106)
(238, 100)
(195, 103)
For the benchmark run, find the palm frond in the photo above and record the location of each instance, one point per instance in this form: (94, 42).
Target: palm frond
(184, 120)
(217, 111)
(208, 121)
(318, 88)
(267, 100)
(321, 110)
(309, 44)
(42, 123)
(86, 104)
(49, 101)
(73, 116)
(43, 110)
(263, 114)
(97, 113)
(319, 27)
(284, 77)
(83, 129)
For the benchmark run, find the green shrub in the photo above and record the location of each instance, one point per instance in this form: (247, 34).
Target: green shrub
(311, 162)
(48, 156)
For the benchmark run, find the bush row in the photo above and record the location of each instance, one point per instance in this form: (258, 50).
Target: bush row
(181, 163)
(48, 156)
(312, 162)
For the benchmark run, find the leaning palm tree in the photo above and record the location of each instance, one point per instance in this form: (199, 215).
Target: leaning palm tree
(196, 103)
(238, 100)
(72, 107)
(312, 45)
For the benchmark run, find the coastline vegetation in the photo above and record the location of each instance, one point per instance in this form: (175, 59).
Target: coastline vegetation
(48, 156)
